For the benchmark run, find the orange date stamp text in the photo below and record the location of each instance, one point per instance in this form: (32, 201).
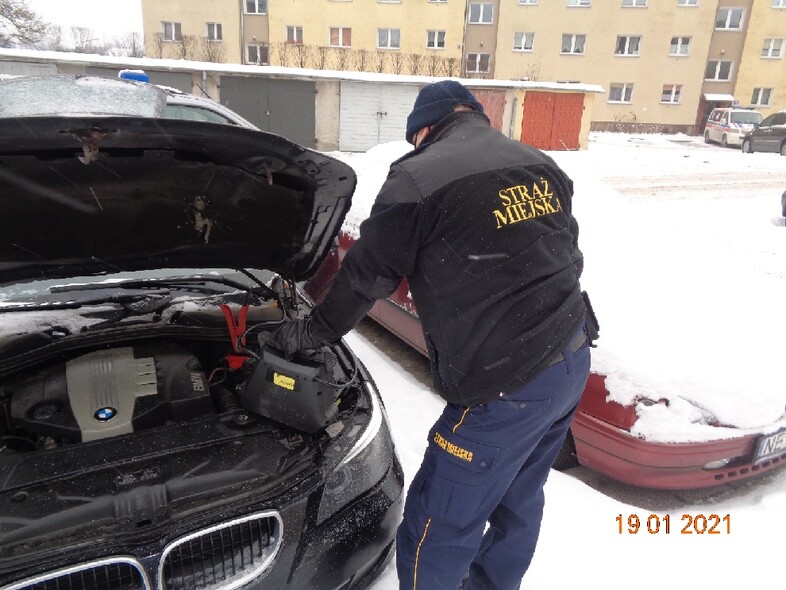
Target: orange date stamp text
(661, 524)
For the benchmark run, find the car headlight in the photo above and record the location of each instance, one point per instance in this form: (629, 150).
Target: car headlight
(364, 465)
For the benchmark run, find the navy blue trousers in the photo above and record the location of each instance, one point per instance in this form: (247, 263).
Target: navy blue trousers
(487, 464)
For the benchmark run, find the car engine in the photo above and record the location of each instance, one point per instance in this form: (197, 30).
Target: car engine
(111, 392)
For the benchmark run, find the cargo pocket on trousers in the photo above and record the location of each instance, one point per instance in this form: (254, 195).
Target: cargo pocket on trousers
(458, 477)
(450, 502)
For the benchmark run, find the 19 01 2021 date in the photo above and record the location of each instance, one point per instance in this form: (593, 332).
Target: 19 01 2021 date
(689, 524)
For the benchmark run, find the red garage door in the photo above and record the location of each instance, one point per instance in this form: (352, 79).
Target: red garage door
(552, 121)
(493, 102)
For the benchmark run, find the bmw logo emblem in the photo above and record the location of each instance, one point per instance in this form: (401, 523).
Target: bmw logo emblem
(105, 414)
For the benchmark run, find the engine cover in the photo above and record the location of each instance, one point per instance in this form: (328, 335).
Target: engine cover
(112, 392)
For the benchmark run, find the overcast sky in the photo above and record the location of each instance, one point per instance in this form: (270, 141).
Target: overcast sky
(109, 18)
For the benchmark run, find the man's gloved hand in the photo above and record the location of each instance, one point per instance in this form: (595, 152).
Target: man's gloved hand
(292, 336)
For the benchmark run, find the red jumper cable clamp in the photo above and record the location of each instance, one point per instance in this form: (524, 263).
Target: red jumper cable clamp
(237, 358)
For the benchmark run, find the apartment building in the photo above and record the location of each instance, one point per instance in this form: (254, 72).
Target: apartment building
(649, 55)
(206, 30)
(761, 73)
(664, 63)
(395, 36)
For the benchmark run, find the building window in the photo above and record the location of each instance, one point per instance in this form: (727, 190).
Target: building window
(171, 31)
(579, 2)
(481, 13)
(388, 38)
(621, 92)
(779, 3)
(256, 6)
(528, 2)
(627, 45)
(214, 32)
(257, 54)
(438, 1)
(671, 93)
(772, 48)
(762, 97)
(680, 46)
(478, 63)
(435, 39)
(340, 37)
(573, 44)
(729, 19)
(687, 2)
(720, 71)
(523, 41)
(294, 34)
(636, 3)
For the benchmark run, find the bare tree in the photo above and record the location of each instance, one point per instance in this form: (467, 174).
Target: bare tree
(301, 54)
(398, 61)
(381, 59)
(342, 58)
(284, 53)
(531, 72)
(83, 40)
(186, 46)
(210, 50)
(132, 45)
(433, 64)
(415, 63)
(321, 57)
(451, 66)
(361, 59)
(157, 44)
(53, 40)
(19, 25)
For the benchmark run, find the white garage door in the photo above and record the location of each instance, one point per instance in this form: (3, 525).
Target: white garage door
(373, 113)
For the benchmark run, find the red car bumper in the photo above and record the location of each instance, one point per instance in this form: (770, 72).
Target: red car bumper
(610, 449)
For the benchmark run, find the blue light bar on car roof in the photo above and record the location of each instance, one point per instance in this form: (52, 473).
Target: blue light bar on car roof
(138, 75)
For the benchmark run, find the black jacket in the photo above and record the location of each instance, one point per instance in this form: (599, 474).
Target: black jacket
(481, 225)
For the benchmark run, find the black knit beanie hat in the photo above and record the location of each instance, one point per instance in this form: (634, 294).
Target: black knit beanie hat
(436, 101)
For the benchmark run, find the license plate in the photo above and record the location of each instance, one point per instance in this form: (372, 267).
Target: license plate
(770, 446)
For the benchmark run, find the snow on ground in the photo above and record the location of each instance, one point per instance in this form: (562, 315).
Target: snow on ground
(686, 264)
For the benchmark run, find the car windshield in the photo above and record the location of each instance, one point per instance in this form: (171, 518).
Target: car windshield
(68, 95)
(750, 118)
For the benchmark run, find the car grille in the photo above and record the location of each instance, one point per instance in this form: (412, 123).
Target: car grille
(108, 574)
(224, 556)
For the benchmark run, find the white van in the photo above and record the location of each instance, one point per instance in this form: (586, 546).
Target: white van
(727, 126)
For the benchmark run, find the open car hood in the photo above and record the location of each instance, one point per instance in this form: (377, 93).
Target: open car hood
(92, 195)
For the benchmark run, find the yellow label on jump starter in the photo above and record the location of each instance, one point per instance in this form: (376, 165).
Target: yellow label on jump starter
(284, 381)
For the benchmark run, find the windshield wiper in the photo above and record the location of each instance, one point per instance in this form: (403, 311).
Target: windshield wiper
(132, 300)
(260, 289)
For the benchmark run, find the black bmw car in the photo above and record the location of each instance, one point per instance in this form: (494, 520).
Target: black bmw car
(149, 438)
(768, 136)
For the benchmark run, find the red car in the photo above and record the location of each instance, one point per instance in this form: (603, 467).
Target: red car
(600, 437)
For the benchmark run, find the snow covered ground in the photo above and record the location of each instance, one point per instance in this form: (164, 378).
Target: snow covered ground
(686, 264)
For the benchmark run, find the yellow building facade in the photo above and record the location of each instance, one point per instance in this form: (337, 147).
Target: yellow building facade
(402, 25)
(395, 36)
(761, 81)
(207, 31)
(637, 53)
